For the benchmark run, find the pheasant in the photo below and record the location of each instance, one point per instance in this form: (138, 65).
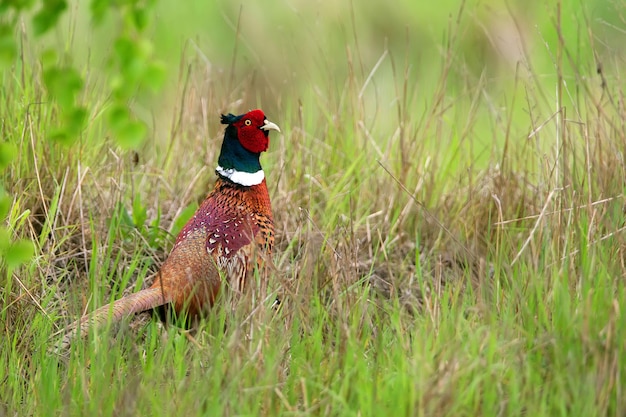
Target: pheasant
(230, 234)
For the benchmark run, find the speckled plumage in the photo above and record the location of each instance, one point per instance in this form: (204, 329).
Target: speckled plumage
(231, 233)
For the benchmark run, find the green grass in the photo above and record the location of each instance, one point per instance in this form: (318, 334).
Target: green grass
(448, 244)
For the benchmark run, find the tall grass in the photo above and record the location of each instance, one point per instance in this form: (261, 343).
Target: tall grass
(448, 202)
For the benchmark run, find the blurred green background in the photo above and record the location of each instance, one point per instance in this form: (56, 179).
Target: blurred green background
(279, 53)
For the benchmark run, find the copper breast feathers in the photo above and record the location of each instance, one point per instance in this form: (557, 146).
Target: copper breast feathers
(238, 226)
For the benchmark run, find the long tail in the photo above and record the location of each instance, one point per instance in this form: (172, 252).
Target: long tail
(135, 303)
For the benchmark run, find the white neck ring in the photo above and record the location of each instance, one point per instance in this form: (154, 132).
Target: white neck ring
(240, 177)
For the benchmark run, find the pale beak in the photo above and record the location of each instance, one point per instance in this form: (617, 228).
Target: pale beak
(269, 126)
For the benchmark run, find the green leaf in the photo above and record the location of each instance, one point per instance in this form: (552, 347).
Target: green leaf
(63, 84)
(132, 57)
(61, 136)
(118, 116)
(131, 135)
(140, 18)
(154, 76)
(5, 239)
(145, 48)
(74, 120)
(128, 133)
(8, 151)
(49, 58)
(48, 16)
(19, 252)
(126, 51)
(99, 9)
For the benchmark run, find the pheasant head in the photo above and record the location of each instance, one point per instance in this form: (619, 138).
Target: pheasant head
(246, 136)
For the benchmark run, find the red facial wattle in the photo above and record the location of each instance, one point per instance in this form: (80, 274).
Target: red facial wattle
(253, 131)
(253, 139)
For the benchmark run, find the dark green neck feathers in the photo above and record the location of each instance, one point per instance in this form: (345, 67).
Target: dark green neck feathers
(234, 156)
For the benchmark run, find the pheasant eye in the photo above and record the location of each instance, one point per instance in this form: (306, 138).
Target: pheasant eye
(247, 122)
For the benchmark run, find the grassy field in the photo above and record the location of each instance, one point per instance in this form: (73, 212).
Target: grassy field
(448, 193)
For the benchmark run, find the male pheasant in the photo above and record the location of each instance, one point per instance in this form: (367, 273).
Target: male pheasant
(231, 232)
